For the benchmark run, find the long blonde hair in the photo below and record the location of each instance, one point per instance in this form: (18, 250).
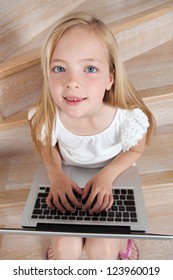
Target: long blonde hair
(122, 93)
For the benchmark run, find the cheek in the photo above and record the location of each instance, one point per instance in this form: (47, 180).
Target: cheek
(53, 85)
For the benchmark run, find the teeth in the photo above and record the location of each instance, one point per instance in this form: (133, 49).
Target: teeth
(72, 99)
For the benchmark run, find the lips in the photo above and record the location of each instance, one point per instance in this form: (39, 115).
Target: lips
(73, 100)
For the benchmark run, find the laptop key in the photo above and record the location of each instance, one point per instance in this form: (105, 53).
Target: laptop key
(72, 218)
(133, 215)
(95, 219)
(37, 203)
(79, 218)
(130, 208)
(130, 191)
(64, 217)
(117, 219)
(110, 214)
(102, 219)
(37, 212)
(134, 220)
(42, 195)
(110, 219)
(49, 217)
(42, 217)
(125, 220)
(87, 218)
(34, 216)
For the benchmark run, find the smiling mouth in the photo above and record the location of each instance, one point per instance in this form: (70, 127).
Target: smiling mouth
(74, 100)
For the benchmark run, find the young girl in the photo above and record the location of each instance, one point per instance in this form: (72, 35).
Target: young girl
(88, 115)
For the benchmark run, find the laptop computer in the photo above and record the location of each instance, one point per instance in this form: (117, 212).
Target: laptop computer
(127, 214)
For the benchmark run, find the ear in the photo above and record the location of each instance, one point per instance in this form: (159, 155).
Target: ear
(111, 81)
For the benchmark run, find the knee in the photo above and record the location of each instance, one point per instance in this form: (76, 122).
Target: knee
(100, 252)
(64, 251)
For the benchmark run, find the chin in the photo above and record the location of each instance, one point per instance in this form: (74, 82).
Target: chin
(75, 114)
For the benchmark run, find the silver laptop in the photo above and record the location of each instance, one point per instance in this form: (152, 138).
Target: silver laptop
(127, 214)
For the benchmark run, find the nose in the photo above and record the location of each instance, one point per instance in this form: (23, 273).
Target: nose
(72, 82)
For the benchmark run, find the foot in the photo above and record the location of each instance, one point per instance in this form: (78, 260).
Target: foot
(49, 253)
(131, 252)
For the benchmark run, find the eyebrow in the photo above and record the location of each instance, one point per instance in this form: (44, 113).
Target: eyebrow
(81, 60)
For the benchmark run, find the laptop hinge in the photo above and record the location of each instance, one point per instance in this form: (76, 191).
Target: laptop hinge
(98, 229)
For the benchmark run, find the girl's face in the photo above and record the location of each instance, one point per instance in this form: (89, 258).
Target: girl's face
(79, 73)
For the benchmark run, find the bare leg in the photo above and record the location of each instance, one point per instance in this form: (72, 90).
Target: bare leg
(65, 248)
(102, 248)
(107, 248)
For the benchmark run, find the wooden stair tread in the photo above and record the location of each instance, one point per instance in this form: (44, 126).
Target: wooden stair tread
(141, 17)
(152, 68)
(159, 154)
(159, 179)
(29, 54)
(15, 120)
(156, 93)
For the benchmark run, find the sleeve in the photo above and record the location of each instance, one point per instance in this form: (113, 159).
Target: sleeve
(134, 127)
(42, 137)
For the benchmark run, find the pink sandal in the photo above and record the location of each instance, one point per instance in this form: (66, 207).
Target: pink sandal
(126, 255)
(49, 253)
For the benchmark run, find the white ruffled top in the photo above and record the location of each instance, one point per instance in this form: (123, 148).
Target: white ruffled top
(124, 132)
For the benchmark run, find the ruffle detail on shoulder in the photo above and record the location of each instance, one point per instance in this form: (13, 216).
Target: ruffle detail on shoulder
(133, 129)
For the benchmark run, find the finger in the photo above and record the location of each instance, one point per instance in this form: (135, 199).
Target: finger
(104, 204)
(77, 189)
(65, 203)
(49, 201)
(111, 200)
(86, 190)
(90, 200)
(74, 199)
(59, 205)
(98, 204)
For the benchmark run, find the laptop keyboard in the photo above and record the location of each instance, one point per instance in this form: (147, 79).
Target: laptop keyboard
(122, 210)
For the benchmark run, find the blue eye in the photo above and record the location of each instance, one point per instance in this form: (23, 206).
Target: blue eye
(91, 69)
(58, 69)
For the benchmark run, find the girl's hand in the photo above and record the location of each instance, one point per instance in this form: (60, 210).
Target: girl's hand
(61, 191)
(100, 188)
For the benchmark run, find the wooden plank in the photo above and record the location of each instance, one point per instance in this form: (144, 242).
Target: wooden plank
(126, 19)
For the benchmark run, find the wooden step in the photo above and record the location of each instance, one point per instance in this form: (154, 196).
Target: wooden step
(126, 19)
(15, 120)
(21, 76)
(151, 73)
(22, 21)
(153, 68)
(112, 12)
(158, 156)
(157, 179)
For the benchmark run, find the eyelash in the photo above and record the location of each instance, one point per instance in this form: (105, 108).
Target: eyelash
(62, 69)
(93, 67)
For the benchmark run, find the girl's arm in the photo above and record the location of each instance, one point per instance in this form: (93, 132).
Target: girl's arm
(61, 186)
(125, 159)
(101, 184)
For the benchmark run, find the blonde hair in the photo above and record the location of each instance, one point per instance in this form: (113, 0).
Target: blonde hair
(122, 93)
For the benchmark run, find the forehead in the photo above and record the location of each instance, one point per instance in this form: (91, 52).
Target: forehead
(78, 41)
